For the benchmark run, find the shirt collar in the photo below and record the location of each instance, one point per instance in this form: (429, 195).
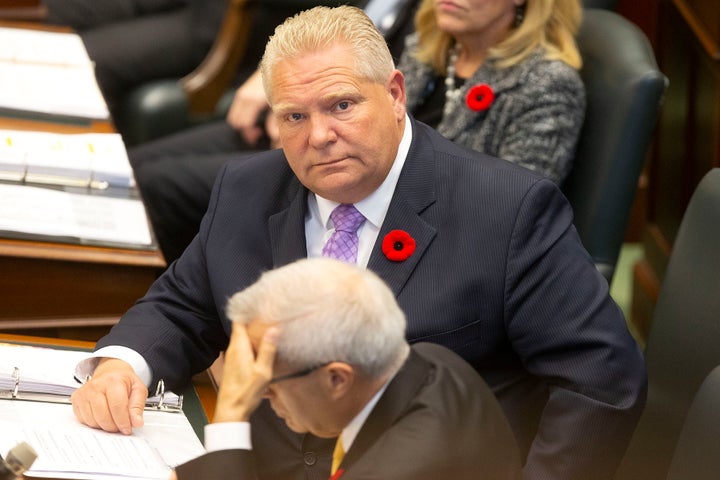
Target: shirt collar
(375, 206)
(352, 429)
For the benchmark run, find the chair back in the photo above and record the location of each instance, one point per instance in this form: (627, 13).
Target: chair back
(683, 345)
(607, 4)
(697, 453)
(624, 90)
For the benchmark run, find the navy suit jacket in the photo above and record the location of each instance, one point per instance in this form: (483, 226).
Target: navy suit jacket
(499, 275)
(437, 419)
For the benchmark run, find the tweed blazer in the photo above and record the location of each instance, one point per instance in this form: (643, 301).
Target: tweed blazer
(534, 121)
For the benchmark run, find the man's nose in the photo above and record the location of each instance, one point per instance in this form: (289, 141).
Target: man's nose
(322, 131)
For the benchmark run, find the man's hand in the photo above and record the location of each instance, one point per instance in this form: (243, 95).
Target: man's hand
(247, 107)
(245, 377)
(113, 400)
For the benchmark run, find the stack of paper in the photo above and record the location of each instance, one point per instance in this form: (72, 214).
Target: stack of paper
(48, 73)
(67, 449)
(90, 218)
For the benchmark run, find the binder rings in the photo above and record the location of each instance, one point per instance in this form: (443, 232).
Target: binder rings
(91, 160)
(47, 375)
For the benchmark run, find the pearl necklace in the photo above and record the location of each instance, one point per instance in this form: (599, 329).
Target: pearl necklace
(452, 94)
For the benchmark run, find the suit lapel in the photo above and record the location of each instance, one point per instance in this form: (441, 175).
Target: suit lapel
(287, 228)
(411, 378)
(414, 193)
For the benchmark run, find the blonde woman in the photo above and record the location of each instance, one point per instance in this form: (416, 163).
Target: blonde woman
(500, 77)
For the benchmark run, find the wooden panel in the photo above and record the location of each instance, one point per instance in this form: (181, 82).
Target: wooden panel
(688, 144)
(703, 17)
(69, 290)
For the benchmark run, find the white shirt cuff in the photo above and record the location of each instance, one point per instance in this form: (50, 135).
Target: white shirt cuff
(86, 367)
(227, 436)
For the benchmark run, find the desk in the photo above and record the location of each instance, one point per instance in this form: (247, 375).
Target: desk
(69, 290)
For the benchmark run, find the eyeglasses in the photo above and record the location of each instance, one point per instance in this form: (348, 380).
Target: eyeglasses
(298, 374)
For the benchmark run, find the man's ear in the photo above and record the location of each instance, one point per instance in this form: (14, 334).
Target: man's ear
(340, 379)
(396, 88)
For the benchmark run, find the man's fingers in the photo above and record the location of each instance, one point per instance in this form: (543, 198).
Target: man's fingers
(239, 348)
(138, 398)
(112, 401)
(266, 352)
(115, 411)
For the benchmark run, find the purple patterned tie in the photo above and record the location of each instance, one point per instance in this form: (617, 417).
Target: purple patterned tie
(343, 243)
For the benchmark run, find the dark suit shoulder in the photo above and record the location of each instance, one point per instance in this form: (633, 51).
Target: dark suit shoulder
(262, 178)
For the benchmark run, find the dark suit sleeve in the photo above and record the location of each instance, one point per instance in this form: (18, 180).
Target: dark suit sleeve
(221, 464)
(567, 329)
(177, 326)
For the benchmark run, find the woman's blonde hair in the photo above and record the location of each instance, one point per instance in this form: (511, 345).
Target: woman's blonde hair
(551, 24)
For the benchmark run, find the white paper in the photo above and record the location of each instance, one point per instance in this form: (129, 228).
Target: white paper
(67, 449)
(48, 72)
(58, 213)
(51, 89)
(36, 46)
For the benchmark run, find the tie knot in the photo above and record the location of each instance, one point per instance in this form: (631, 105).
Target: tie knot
(346, 218)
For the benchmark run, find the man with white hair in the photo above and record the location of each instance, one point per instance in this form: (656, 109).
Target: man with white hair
(324, 342)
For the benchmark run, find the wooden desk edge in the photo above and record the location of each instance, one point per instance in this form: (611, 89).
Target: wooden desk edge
(81, 253)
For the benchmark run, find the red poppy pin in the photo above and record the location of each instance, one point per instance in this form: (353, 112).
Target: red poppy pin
(398, 245)
(337, 474)
(480, 97)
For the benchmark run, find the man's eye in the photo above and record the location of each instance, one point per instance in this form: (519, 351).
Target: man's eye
(343, 105)
(294, 117)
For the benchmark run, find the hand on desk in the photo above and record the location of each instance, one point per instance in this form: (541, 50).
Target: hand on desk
(113, 400)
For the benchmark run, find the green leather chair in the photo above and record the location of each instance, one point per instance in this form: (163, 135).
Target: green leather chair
(166, 106)
(624, 94)
(683, 345)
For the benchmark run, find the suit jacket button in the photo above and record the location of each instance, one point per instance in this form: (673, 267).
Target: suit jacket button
(310, 458)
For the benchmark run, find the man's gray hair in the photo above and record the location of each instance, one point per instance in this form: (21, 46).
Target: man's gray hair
(320, 28)
(327, 311)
